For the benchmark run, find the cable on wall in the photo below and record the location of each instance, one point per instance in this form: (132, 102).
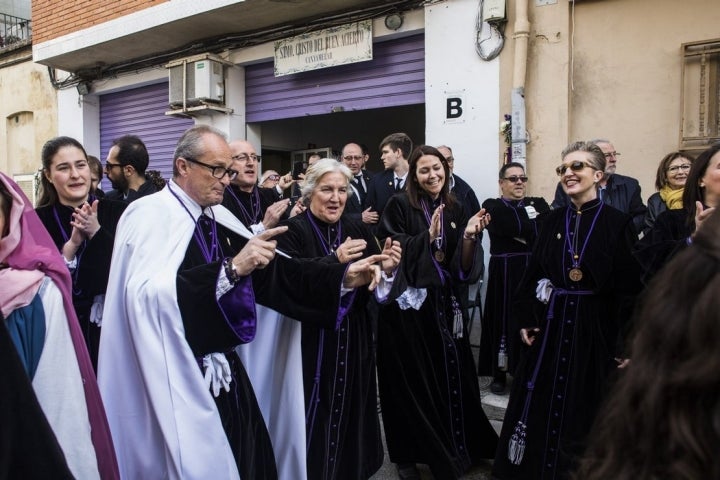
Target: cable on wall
(489, 36)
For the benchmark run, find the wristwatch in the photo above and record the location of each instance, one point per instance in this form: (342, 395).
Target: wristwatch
(230, 271)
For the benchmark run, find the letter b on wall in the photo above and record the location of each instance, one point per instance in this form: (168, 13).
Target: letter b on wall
(453, 107)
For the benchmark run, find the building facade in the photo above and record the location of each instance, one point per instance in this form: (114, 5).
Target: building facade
(576, 69)
(28, 102)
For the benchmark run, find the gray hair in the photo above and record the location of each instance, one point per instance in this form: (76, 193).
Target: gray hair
(597, 157)
(317, 170)
(191, 143)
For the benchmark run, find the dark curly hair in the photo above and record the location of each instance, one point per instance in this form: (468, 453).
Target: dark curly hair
(662, 419)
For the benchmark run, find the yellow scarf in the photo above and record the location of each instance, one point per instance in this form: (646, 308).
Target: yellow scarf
(672, 198)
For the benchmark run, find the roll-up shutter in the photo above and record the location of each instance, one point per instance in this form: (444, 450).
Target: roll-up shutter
(141, 112)
(394, 77)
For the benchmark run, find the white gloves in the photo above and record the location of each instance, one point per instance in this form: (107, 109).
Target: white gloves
(544, 290)
(96, 311)
(217, 372)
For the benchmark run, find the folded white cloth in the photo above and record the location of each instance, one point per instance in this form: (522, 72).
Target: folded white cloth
(412, 298)
(544, 290)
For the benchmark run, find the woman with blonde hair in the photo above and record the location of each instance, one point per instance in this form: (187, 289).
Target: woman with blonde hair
(574, 305)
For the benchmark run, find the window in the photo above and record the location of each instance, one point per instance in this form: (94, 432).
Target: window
(700, 95)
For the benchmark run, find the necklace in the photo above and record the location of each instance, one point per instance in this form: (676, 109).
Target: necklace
(576, 274)
(249, 217)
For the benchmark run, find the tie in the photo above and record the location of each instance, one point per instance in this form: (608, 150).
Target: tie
(398, 184)
(359, 184)
(209, 244)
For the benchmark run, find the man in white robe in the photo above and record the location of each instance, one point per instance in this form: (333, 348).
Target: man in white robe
(163, 418)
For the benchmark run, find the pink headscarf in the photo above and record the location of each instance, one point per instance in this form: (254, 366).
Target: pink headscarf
(29, 247)
(19, 286)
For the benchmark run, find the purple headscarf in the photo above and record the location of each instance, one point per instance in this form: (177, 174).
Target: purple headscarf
(36, 251)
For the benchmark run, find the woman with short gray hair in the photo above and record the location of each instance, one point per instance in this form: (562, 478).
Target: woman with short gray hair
(342, 425)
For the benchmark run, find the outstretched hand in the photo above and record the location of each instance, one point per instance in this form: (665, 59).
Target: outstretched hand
(258, 252)
(274, 212)
(363, 272)
(701, 214)
(393, 250)
(477, 223)
(350, 250)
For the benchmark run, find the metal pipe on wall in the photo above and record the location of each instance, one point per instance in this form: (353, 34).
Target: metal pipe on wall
(521, 35)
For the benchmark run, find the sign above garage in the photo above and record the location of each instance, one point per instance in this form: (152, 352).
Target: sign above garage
(350, 43)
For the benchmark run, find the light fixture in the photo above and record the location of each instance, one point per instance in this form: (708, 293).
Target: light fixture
(83, 88)
(393, 21)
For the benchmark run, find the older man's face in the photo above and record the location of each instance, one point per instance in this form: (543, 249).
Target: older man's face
(199, 182)
(353, 158)
(611, 157)
(245, 161)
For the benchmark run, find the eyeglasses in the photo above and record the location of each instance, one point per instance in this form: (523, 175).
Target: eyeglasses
(110, 166)
(217, 171)
(273, 178)
(515, 178)
(685, 167)
(357, 158)
(612, 154)
(244, 157)
(575, 166)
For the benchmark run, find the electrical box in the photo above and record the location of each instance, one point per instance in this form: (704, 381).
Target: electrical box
(493, 11)
(197, 82)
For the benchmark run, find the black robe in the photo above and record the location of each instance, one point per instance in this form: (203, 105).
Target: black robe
(584, 335)
(285, 285)
(512, 234)
(428, 384)
(342, 425)
(91, 275)
(249, 208)
(664, 240)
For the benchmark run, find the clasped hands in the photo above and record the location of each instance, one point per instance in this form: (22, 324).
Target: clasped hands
(84, 222)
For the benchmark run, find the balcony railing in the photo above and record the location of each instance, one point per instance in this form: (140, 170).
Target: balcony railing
(14, 31)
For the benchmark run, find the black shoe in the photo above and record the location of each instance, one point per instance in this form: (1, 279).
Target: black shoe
(407, 471)
(498, 385)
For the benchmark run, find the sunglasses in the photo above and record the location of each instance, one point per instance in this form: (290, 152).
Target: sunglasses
(575, 166)
(515, 178)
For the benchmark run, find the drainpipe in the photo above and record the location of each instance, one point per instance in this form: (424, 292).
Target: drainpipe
(517, 99)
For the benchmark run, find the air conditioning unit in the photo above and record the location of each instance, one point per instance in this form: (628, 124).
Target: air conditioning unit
(196, 82)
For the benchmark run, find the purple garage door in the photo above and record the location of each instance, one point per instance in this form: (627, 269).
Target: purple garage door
(394, 77)
(141, 112)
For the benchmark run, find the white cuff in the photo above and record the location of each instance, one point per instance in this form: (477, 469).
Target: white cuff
(257, 228)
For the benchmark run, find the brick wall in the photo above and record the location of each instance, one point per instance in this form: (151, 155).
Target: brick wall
(54, 18)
